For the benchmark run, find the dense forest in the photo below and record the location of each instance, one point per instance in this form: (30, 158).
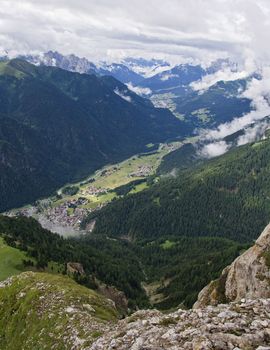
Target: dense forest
(187, 263)
(227, 197)
(112, 262)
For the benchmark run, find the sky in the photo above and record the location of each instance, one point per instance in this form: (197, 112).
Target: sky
(197, 31)
(111, 29)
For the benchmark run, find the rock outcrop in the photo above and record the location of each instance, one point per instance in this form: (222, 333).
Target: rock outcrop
(247, 277)
(243, 325)
(75, 268)
(42, 311)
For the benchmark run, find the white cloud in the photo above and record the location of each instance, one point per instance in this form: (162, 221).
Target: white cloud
(139, 90)
(168, 76)
(122, 95)
(214, 149)
(253, 133)
(117, 28)
(258, 92)
(225, 74)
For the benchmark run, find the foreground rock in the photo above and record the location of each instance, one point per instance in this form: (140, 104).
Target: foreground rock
(247, 277)
(42, 311)
(239, 325)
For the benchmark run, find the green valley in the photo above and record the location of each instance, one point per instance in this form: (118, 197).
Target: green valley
(65, 211)
(58, 126)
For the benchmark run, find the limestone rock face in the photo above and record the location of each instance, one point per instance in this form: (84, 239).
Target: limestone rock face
(74, 267)
(247, 277)
(59, 314)
(236, 326)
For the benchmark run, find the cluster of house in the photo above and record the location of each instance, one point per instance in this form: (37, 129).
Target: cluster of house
(107, 172)
(142, 171)
(68, 213)
(94, 191)
(169, 146)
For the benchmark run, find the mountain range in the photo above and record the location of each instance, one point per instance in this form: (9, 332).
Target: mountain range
(168, 86)
(73, 63)
(58, 125)
(154, 246)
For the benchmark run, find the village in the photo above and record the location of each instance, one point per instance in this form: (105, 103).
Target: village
(67, 214)
(67, 211)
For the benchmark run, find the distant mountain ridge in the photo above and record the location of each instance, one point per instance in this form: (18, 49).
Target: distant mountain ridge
(167, 87)
(157, 75)
(74, 63)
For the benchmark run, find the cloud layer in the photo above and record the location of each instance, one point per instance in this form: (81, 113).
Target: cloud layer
(258, 91)
(97, 29)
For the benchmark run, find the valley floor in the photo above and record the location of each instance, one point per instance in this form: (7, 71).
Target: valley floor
(64, 212)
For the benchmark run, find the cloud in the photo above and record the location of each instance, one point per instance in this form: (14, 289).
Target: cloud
(122, 95)
(116, 28)
(225, 74)
(253, 133)
(258, 91)
(139, 90)
(214, 149)
(168, 76)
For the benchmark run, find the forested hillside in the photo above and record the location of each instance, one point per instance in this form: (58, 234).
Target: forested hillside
(217, 104)
(125, 265)
(227, 197)
(58, 126)
(112, 262)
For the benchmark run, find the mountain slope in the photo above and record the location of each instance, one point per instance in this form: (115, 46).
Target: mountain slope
(56, 126)
(227, 196)
(218, 104)
(207, 108)
(175, 80)
(111, 262)
(50, 312)
(46, 311)
(132, 267)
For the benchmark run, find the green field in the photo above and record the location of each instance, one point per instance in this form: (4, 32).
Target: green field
(115, 175)
(167, 244)
(11, 260)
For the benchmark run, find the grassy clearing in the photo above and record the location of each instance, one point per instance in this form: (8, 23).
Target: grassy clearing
(5, 68)
(167, 244)
(11, 260)
(139, 188)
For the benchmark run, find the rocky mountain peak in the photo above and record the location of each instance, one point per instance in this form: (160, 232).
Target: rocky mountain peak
(247, 277)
